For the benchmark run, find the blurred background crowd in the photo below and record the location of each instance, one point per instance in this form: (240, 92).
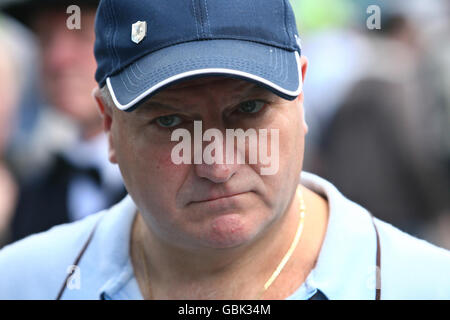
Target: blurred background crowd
(377, 103)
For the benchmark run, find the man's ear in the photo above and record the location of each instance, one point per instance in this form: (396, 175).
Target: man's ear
(107, 117)
(304, 67)
(104, 109)
(301, 97)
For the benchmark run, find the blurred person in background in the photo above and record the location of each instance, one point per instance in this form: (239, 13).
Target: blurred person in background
(381, 145)
(11, 79)
(434, 67)
(78, 180)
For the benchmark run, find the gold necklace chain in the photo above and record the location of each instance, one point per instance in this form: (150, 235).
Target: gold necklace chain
(293, 245)
(147, 289)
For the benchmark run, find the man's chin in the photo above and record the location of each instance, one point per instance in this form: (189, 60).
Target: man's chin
(227, 232)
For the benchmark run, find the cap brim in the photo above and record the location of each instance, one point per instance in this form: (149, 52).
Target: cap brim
(274, 68)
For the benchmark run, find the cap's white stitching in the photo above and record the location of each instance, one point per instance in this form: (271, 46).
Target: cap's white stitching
(206, 71)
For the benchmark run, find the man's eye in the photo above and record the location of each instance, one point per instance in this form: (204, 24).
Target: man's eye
(251, 106)
(168, 121)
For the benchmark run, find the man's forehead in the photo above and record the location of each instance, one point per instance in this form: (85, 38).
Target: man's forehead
(191, 90)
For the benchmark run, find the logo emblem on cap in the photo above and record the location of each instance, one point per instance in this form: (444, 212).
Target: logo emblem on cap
(138, 31)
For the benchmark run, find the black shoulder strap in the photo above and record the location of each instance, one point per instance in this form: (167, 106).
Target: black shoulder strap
(320, 296)
(77, 261)
(378, 263)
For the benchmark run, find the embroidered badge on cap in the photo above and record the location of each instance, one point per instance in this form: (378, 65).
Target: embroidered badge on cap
(138, 31)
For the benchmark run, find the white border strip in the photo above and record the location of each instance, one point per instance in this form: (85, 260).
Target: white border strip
(205, 71)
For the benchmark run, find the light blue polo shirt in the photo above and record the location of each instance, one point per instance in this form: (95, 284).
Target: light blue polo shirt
(36, 267)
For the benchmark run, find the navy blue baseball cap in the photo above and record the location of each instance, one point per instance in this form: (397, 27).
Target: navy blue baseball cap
(143, 46)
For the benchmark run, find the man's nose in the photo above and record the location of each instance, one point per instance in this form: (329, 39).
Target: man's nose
(217, 173)
(220, 166)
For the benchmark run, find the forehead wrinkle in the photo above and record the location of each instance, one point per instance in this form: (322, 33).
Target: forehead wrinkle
(169, 103)
(253, 88)
(154, 105)
(169, 106)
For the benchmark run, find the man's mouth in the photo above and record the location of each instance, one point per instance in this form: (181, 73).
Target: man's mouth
(218, 197)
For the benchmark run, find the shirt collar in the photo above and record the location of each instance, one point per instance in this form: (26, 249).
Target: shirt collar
(113, 261)
(345, 268)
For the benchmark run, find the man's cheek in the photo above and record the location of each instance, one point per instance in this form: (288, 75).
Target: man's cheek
(160, 166)
(165, 162)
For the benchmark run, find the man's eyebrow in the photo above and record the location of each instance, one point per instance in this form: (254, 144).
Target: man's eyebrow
(152, 105)
(254, 89)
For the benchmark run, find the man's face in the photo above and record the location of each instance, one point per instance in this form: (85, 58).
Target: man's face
(9, 90)
(68, 63)
(201, 205)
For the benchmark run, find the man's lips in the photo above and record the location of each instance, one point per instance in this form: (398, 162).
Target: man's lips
(218, 197)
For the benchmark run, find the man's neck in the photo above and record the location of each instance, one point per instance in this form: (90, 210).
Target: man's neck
(166, 272)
